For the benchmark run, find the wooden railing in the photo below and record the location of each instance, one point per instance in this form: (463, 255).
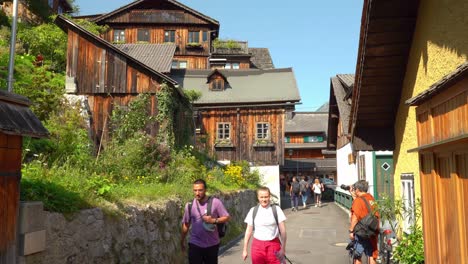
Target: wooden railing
(343, 199)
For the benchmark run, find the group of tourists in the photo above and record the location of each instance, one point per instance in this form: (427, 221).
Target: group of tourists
(207, 214)
(303, 189)
(266, 223)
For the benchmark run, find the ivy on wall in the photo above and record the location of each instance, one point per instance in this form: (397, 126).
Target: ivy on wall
(166, 114)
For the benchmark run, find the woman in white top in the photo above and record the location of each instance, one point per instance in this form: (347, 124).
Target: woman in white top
(317, 188)
(269, 242)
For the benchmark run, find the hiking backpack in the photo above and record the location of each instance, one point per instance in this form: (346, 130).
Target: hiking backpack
(367, 226)
(275, 214)
(221, 227)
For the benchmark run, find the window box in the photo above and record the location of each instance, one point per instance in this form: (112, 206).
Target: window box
(194, 45)
(224, 144)
(263, 144)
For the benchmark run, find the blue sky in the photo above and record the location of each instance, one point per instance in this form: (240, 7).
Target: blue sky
(318, 39)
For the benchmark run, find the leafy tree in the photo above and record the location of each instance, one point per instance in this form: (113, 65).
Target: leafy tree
(47, 40)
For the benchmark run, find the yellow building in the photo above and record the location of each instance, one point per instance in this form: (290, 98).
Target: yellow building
(405, 47)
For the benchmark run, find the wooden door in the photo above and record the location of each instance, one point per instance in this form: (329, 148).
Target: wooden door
(444, 186)
(384, 176)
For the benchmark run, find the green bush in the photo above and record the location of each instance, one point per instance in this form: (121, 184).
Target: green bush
(410, 247)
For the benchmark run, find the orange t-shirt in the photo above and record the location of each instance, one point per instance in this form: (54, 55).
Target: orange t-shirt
(359, 209)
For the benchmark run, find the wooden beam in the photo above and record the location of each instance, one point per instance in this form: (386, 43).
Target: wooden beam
(388, 49)
(385, 61)
(382, 38)
(391, 24)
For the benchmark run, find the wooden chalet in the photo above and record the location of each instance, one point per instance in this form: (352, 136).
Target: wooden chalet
(164, 21)
(442, 126)
(16, 121)
(240, 115)
(113, 75)
(305, 150)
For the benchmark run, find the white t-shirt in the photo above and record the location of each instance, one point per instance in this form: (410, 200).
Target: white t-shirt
(265, 224)
(317, 188)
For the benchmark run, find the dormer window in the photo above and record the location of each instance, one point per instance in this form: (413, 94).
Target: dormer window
(217, 85)
(217, 81)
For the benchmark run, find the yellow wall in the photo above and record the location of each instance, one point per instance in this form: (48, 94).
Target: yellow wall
(439, 46)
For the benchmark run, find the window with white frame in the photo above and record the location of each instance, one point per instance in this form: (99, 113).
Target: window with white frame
(179, 64)
(263, 130)
(232, 65)
(119, 35)
(407, 193)
(224, 131)
(194, 37)
(362, 167)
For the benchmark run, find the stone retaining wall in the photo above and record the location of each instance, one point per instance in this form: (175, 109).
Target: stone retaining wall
(144, 234)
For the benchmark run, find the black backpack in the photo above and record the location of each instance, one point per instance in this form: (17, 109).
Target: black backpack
(367, 226)
(221, 227)
(296, 187)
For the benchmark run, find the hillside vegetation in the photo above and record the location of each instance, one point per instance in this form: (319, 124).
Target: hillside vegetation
(66, 171)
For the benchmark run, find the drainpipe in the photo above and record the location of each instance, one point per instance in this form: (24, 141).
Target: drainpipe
(239, 149)
(11, 65)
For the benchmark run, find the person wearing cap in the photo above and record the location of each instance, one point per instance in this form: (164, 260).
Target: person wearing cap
(204, 238)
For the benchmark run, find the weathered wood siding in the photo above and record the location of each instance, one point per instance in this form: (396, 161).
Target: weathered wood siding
(151, 15)
(243, 133)
(443, 122)
(194, 62)
(444, 117)
(109, 80)
(157, 36)
(101, 71)
(10, 175)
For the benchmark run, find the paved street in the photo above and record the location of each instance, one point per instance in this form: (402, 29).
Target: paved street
(315, 235)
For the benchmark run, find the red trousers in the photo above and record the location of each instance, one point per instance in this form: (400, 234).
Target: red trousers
(263, 252)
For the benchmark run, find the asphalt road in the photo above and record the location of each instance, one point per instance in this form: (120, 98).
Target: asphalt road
(315, 235)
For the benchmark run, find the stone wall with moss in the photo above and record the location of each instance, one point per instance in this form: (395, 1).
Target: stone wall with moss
(140, 234)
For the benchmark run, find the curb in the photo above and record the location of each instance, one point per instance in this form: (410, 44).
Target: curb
(230, 244)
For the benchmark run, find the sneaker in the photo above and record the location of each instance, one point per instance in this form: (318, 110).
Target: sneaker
(315, 205)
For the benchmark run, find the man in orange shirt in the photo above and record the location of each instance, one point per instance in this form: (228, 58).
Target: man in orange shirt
(359, 211)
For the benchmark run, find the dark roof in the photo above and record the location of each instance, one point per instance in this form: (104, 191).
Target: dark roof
(245, 86)
(137, 2)
(17, 119)
(65, 24)
(386, 34)
(444, 83)
(373, 138)
(307, 122)
(324, 108)
(156, 56)
(344, 106)
(261, 58)
(347, 80)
